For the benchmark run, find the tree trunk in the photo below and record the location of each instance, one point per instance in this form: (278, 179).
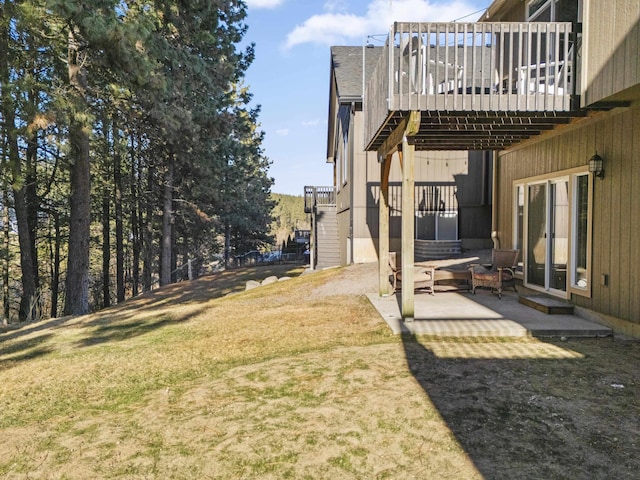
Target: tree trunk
(106, 219)
(135, 231)
(106, 248)
(227, 244)
(28, 299)
(167, 220)
(174, 259)
(32, 204)
(117, 183)
(146, 226)
(55, 265)
(6, 305)
(77, 282)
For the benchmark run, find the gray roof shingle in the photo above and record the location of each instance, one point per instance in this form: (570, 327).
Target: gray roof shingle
(347, 64)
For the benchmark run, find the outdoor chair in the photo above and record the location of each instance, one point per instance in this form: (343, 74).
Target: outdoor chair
(423, 276)
(499, 275)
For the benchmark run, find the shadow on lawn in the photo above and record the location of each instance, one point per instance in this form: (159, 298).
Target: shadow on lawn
(22, 350)
(124, 329)
(116, 332)
(531, 418)
(120, 322)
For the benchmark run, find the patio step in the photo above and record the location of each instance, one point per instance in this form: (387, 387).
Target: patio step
(547, 305)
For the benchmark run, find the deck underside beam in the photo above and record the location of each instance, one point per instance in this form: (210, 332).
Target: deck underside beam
(469, 130)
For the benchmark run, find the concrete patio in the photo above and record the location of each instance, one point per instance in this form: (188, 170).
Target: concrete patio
(454, 314)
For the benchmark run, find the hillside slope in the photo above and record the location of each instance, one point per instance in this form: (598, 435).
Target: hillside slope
(303, 379)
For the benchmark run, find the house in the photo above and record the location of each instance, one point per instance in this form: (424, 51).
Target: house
(560, 108)
(452, 197)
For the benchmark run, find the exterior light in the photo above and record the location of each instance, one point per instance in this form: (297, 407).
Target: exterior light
(596, 165)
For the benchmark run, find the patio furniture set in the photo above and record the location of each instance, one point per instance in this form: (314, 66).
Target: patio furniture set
(496, 276)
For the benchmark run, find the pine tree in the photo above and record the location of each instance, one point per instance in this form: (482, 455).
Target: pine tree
(144, 96)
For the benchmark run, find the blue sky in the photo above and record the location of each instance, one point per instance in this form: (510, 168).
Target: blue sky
(290, 75)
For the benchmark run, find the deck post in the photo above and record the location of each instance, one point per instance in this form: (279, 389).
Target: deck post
(314, 232)
(383, 229)
(408, 214)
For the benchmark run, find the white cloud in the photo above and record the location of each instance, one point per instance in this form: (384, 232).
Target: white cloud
(339, 28)
(311, 123)
(264, 3)
(334, 6)
(327, 29)
(283, 132)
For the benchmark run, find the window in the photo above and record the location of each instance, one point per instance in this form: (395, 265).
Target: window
(552, 11)
(346, 155)
(339, 169)
(518, 221)
(581, 239)
(552, 229)
(539, 11)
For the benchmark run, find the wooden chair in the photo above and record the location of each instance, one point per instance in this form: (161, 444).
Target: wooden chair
(423, 276)
(499, 275)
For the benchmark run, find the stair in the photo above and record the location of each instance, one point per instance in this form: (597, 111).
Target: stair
(328, 247)
(547, 305)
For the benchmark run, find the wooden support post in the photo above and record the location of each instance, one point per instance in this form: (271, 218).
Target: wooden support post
(408, 215)
(312, 237)
(383, 228)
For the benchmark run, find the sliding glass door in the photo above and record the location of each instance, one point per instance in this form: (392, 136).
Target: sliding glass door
(559, 238)
(548, 234)
(537, 234)
(552, 229)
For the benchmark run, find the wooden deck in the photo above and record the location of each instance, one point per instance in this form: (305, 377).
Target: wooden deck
(478, 86)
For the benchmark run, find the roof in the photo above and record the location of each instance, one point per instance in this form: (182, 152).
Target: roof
(495, 9)
(347, 65)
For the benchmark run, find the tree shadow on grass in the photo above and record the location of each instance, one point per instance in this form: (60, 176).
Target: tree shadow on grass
(108, 333)
(193, 292)
(29, 328)
(531, 417)
(28, 349)
(125, 329)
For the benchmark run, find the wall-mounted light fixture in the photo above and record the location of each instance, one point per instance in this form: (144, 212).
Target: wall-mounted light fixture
(596, 165)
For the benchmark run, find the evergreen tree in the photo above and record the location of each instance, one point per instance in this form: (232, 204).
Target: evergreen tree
(144, 96)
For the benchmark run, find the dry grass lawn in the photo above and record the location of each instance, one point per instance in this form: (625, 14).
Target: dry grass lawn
(301, 380)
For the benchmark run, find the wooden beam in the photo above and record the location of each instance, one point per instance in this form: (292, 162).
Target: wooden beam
(456, 128)
(390, 145)
(408, 220)
(383, 228)
(385, 172)
(474, 134)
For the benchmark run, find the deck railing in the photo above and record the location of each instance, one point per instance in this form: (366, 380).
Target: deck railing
(508, 67)
(318, 196)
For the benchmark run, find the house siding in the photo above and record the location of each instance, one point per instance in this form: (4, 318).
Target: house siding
(366, 193)
(616, 200)
(357, 182)
(610, 50)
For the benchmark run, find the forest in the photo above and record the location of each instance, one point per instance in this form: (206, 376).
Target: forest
(288, 216)
(130, 152)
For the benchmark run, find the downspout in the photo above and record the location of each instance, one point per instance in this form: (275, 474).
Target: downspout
(494, 201)
(351, 179)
